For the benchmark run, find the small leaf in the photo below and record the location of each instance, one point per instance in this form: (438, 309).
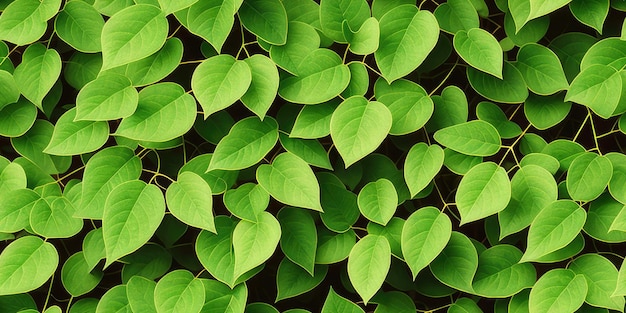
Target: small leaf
(132, 213)
(480, 50)
(336, 303)
(76, 137)
(190, 200)
(588, 176)
(407, 37)
(9, 91)
(559, 290)
(378, 201)
(313, 121)
(221, 298)
(309, 150)
(368, 265)
(133, 34)
(456, 265)
(39, 70)
(340, 206)
(76, 276)
(510, 89)
(292, 280)
(254, 243)
(179, 291)
(291, 181)
(421, 165)
(333, 247)
(26, 264)
(483, 191)
(544, 112)
(541, 69)
(365, 40)
(477, 138)
(424, 235)
(601, 276)
(108, 97)
(80, 25)
(492, 114)
(248, 141)
(451, 108)
(553, 228)
(265, 18)
(247, 201)
(358, 127)
(264, 85)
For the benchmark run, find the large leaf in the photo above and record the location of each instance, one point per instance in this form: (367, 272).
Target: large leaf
(80, 25)
(333, 13)
(190, 200)
(76, 137)
(179, 291)
(76, 277)
(598, 87)
(457, 15)
(558, 290)
(290, 180)
(477, 138)
(407, 37)
(358, 127)
(368, 264)
(601, 276)
(248, 141)
(299, 237)
(215, 251)
(39, 70)
(608, 51)
(108, 97)
(457, 263)
(378, 200)
(541, 69)
(483, 191)
(408, 102)
(500, 275)
(302, 39)
(588, 176)
(133, 34)
(132, 213)
(26, 264)
(247, 201)
(25, 21)
(265, 18)
(336, 303)
(254, 243)
(421, 165)
(480, 50)
(52, 218)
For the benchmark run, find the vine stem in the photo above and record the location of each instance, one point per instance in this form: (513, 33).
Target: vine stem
(445, 78)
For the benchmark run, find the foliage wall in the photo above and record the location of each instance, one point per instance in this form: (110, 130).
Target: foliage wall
(298, 156)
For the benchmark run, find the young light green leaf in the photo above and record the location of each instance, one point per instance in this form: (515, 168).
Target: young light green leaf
(254, 243)
(313, 121)
(140, 294)
(108, 97)
(302, 39)
(553, 228)
(264, 85)
(209, 82)
(378, 200)
(164, 112)
(221, 298)
(480, 50)
(190, 200)
(299, 239)
(292, 280)
(493, 114)
(424, 235)
(421, 165)
(212, 20)
(52, 218)
(133, 34)
(451, 108)
(333, 247)
(31, 146)
(12, 178)
(114, 300)
(499, 274)
(541, 69)
(601, 276)
(265, 18)
(407, 37)
(608, 51)
(25, 21)
(80, 25)
(171, 6)
(309, 150)
(215, 251)
(179, 291)
(247, 201)
(544, 112)
(558, 290)
(365, 40)
(93, 248)
(110, 7)
(620, 286)
(547, 162)
(333, 13)
(588, 176)
(290, 180)
(248, 141)
(9, 91)
(591, 13)
(524, 11)
(598, 87)
(76, 276)
(26, 264)
(39, 70)
(368, 265)
(358, 127)
(483, 191)
(456, 264)
(336, 303)
(76, 137)
(408, 102)
(457, 15)
(15, 207)
(477, 138)
(392, 231)
(132, 213)
(510, 89)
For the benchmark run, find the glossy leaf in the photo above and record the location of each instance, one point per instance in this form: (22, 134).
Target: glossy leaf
(80, 25)
(39, 70)
(299, 237)
(263, 86)
(480, 50)
(483, 191)
(378, 201)
(477, 138)
(76, 276)
(408, 102)
(601, 276)
(457, 263)
(588, 176)
(110, 96)
(336, 303)
(541, 69)
(76, 137)
(190, 200)
(265, 18)
(292, 280)
(26, 263)
(510, 89)
(254, 243)
(558, 290)
(179, 291)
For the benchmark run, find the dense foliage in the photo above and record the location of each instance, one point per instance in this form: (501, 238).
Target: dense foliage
(298, 156)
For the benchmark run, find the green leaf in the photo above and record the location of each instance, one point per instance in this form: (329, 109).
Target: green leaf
(524, 11)
(591, 13)
(164, 112)
(421, 165)
(12, 178)
(72, 138)
(215, 251)
(366, 39)
(314, 72)
(212, 20)
(80, 25)
(82, 68)
(567, 252)
(544, 112)
(394, 302)
(605, 52)
(340, 206)
(620, 282)
(248, 141)
(483, 191)
(499, 274)
(26, 264)
(110, 7)
(260, 307)
(368, 265)
(53, 218)
(378, 200)
(220, 298)
(179, 291)
(336, 303)
(553, 228)
(531, 32)
(358, 127)
(601, 276)
(299, 239)
(31, 146)
(39, 70)
(333, 13)
(211, 82)
(459, 163)
(15, 207)
(190, 200)
(247, 201)
(541, 69)
(302, 39)
(132, 213)
(265, 18)
(477, 138)
(563, 150)
(617, 184)
(464, 305)
(558, 290)
(456, 264)
(424, 235)
(292, 280)
(313, 121)
(480, 50)
(133, 34)
(309, 150)
(392, 231)
(510, 89)
(456, 15)
(333, 247)
(290, 180)
(601, 214)
(492, 114)
(25, 21)
(408, 102)
(254, 243)
(264, 84)
(570, 48)
(598, 87)
(588, 176)
(9, 91)
(532, 189)
(547, 162)
(451, 108)
(359, 80)
(108, 97)
(407, 37)
(114, 300)
(171, 6)
(77, 277)
(140, 294)
(104, 171)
